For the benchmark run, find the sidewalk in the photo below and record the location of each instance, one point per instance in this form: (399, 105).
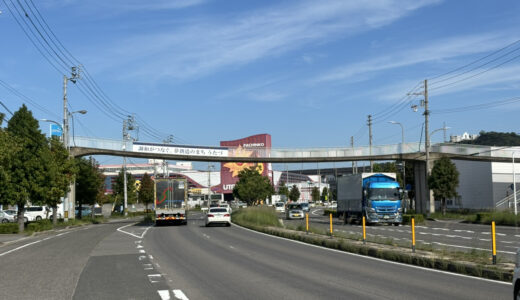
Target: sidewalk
(8, 238)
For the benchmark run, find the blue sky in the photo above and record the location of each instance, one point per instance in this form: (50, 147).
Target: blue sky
(307, 72)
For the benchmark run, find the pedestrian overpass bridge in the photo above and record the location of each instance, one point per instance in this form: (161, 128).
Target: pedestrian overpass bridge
(83, 146)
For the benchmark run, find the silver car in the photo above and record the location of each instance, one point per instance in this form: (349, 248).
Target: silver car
(6, 218)
(294, 211)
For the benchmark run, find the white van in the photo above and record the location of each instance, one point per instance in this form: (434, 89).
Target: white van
(36, 213)
(279, 206)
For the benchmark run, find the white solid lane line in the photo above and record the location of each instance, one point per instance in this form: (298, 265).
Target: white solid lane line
(15, 249)
(179, 295)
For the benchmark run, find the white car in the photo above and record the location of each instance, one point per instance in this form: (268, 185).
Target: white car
(36, 213)
(218, 215)
(280, 206)
(6, 218)
(516, 277)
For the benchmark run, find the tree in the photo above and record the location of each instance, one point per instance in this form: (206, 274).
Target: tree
(315, 194)
(88, 183)
(325, 194)
(146, 192)
(26, 168)
(294, 194)
(283, 190)
(60, 171)
(444, 180)
(252, 187)
(493, 138)
(119, 188)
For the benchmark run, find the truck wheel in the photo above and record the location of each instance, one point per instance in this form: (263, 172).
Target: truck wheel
(396, 224)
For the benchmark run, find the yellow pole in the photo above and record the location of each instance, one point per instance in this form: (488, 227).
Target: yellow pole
(307, 221)
(364, 232)
(413, 235)
(330, 217)
(494, 243)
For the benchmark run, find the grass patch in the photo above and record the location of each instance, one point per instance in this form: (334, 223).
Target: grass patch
(501, 218)
(407, 219)
(256, 216)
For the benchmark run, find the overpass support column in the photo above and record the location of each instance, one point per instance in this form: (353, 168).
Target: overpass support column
(422, 203)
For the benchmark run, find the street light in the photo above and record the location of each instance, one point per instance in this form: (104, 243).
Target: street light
(402, 149)
(54, 122)
(514, 183)
(70, 202)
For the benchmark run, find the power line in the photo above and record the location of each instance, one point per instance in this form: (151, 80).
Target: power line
(473, 62)
(477, 106)
(58, 56)
(475, 75)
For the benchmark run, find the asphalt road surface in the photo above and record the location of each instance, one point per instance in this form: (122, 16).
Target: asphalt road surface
(235, 263)
(126, 261)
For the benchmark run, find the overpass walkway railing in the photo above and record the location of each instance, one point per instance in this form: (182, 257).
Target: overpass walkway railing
(461, 150)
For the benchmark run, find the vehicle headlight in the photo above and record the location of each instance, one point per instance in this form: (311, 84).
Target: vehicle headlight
(399, 210)
(372, 209)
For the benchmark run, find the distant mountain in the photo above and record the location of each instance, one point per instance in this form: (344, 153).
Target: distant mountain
(495, 139)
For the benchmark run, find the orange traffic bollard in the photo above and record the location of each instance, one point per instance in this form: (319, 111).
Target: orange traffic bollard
(413, 235)
(493, 233)
(364, 232)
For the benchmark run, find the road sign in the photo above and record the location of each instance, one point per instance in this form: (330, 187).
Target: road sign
(55, 130)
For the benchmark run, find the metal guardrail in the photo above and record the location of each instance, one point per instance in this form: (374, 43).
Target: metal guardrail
(393, 149)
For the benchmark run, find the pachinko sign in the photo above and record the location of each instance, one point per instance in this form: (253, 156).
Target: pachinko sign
(252, 146)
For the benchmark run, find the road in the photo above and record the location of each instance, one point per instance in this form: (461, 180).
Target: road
(451, 235)
(235, 263)
(127, 261)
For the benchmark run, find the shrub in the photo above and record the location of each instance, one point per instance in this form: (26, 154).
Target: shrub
(40, 225)
(256, 216)
(9, 228)
(407, 219)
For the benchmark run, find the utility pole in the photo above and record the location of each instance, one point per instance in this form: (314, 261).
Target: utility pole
(128, 124)
(125, 193)
(370, 141)
(427, 137)
(209, 184)
(70, 201)
(354, 164)
(444, 127)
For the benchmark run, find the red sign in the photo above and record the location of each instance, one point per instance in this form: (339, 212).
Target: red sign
(252, 146)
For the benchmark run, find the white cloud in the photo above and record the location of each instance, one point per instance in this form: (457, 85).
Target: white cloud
(205, 47)
(435, 51)
(127, 5)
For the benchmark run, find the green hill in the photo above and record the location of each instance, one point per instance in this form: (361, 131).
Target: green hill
(493, 138)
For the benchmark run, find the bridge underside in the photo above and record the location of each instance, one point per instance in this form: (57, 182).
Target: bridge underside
(416, 156)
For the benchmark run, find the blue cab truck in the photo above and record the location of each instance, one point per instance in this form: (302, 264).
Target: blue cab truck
(376, 196)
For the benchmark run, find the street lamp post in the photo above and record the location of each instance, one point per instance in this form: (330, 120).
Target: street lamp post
(402, 149)
(514, 184)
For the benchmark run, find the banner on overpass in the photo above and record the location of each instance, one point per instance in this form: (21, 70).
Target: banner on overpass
(179, 150)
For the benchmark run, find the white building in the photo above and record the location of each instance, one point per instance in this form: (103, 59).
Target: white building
(484, 185)
(464, 137)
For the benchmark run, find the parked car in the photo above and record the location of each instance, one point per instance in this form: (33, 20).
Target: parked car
(294, 211)
(305, 207)
(279, 206)
(516, 276)
(85, 211)
(36, 213)
(218, 215)
(6, 218)
(242, 204)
